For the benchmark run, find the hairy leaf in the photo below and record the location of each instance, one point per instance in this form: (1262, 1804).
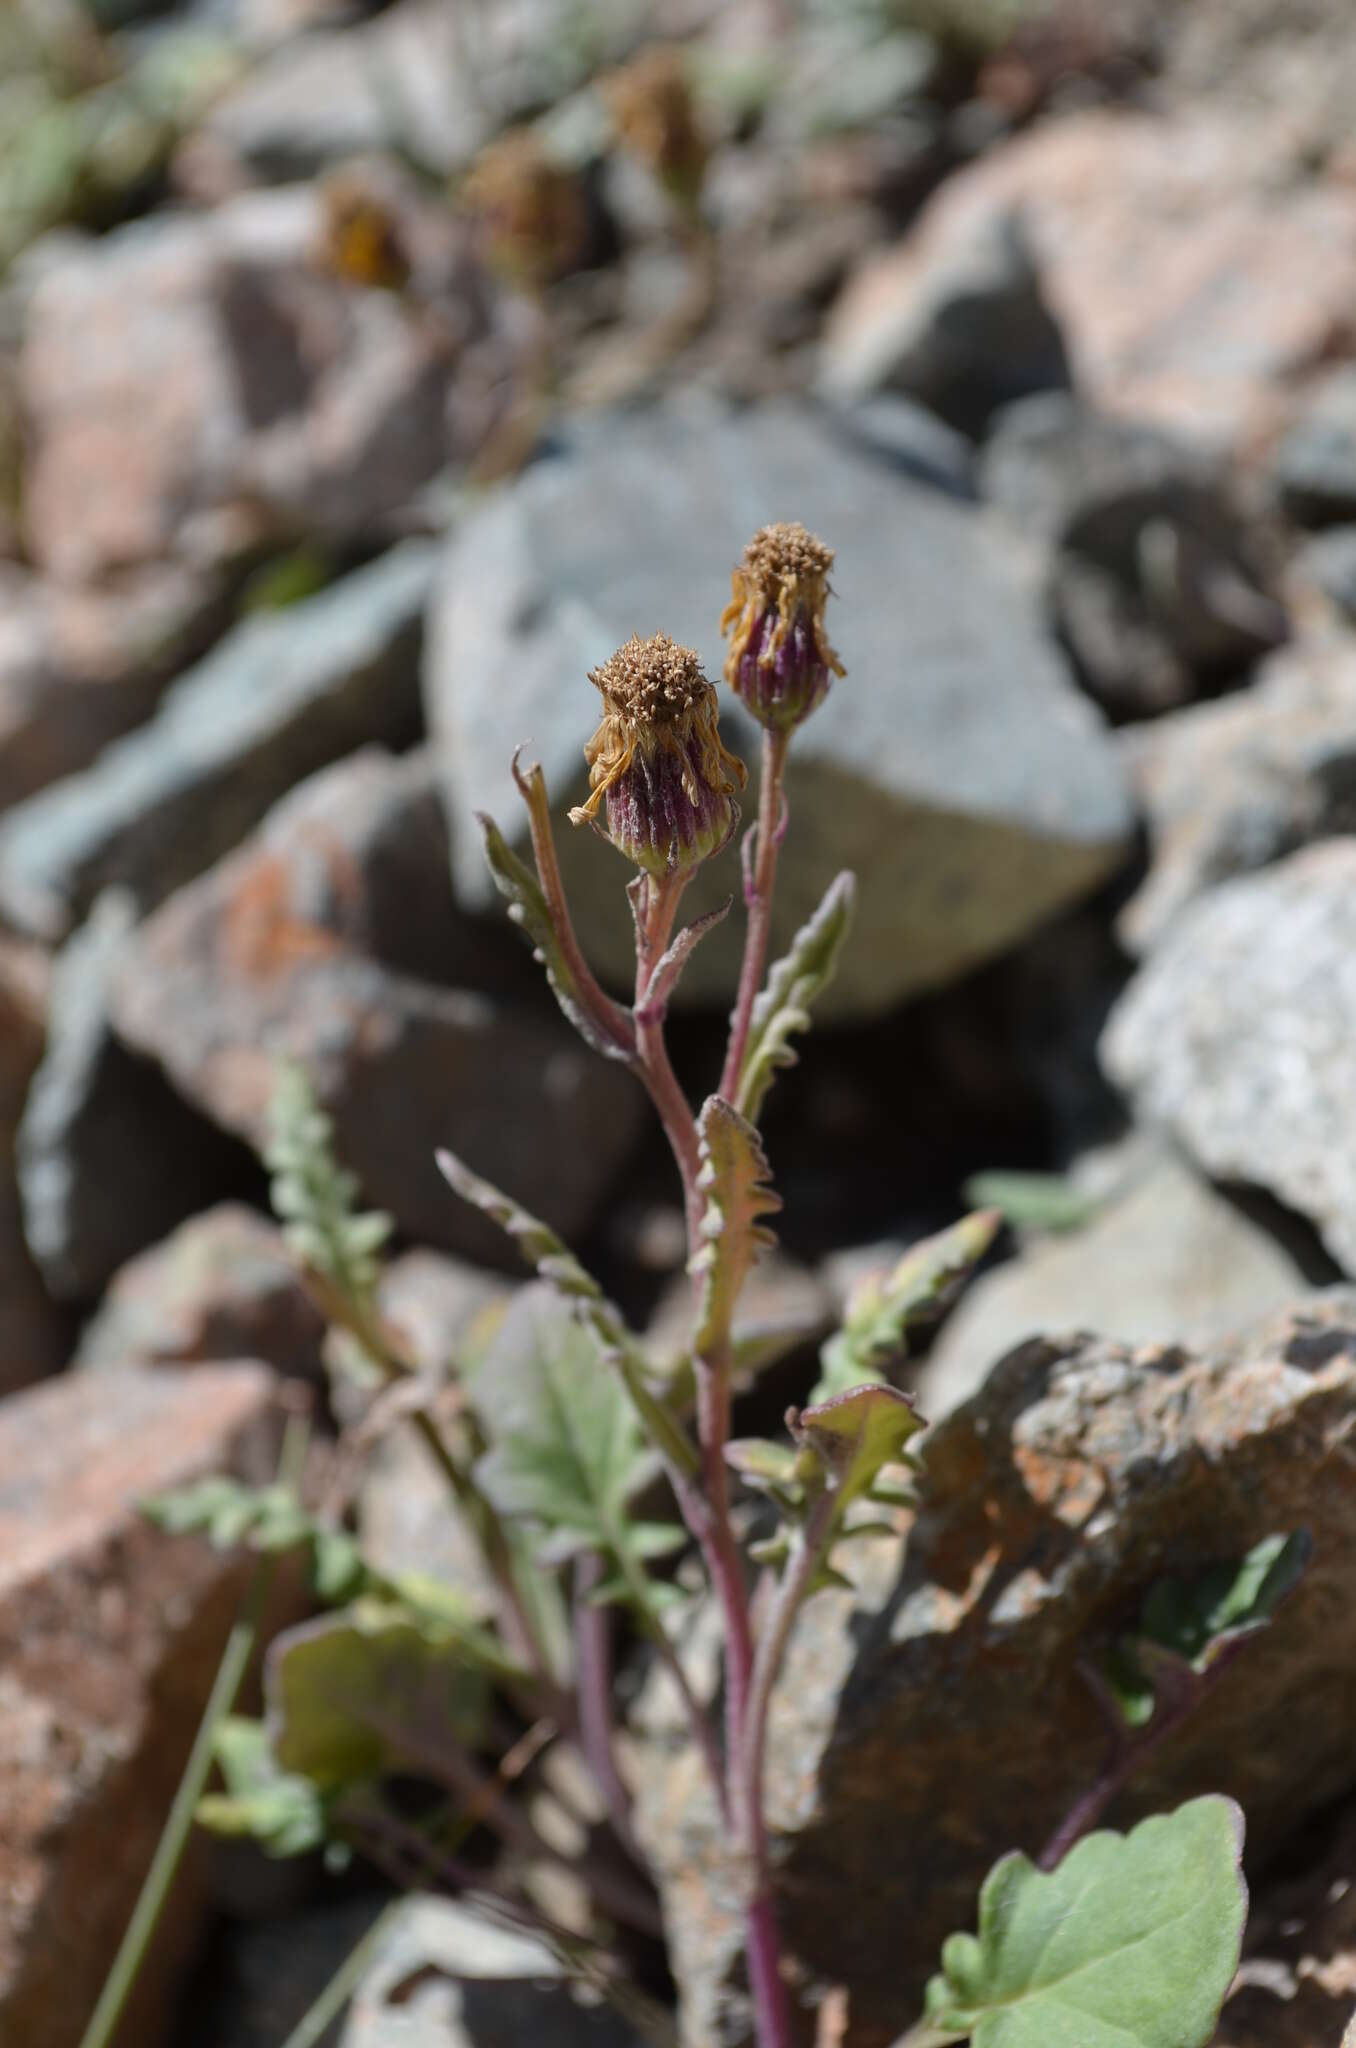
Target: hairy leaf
(1131, 1943)
(668, 970)
(556, 1263)
(886, 1309)
(783, 1008)
(567, 1454)
(316, 1199)
(855, 1435)
(346, 1694)
(527, 908)
(281, 1810)
(734, 1181)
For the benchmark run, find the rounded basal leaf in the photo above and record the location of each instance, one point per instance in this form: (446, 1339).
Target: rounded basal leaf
(1131, 1942)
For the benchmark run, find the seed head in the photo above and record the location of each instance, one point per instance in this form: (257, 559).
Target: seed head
(530, 210)
(658, 759)
(653, 108)
(780, 660)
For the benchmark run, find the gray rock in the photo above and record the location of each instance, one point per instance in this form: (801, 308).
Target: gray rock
(1238, 1035)
(284, 693)
(312, 942)
(80, 667)
(1328, 561)
(936, 1718)
(447, 1976)
(976, 333)
(1165, 1259)
(1314, 469)
(35, 1337)
(221, 1286)
(199, 386)
(953, 768)
(1154, 591)
(1230, 786)
(912, 440)
(108, 1158)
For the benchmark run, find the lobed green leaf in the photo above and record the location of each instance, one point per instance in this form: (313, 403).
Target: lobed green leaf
(733, 1180)
(527, 908)
(1132, 1942)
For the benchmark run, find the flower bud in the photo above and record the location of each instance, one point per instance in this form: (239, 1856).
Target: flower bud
(658, 759)
(780, 660)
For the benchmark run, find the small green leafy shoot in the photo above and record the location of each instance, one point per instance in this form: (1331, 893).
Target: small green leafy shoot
(315, 1198)
(1188, 1626)
(886, 1310)
(282, 1811)
(1132, 1942)
(793, 983)
(1032, 1201)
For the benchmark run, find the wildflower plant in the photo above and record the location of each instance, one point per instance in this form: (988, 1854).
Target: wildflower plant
(582, 1469)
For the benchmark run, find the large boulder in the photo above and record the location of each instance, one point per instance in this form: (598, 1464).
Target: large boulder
(330, 938)
(282, 694)
(955, 767)
(110, 1635)
(1191, 273)
(1164, 1258)
(1231, 786)
(935, 1717)
(1239, 1036)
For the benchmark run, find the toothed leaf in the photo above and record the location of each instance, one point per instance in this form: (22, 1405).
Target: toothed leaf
(854, 1435)
(783, 1008)
(1131, 1943)
(527, 908)
(567, 1454)
(883, 1312)
(733, 1181)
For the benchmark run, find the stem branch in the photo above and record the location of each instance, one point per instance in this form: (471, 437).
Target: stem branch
(770, 830)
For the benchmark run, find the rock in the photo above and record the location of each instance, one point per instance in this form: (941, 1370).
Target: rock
(1156, 591)
(913, 440)
(1228, 787)
(1237, 1035)
(1192, 274)
(34, 1336)
(307, 944)
(971, 814)
(1164, 1259)
(1298, 1975)
(96, 1121)
(80, 667)
(200, 385)
(283, 693)
(446, 1976)
(975, 333)
(263, 1973)
(1328, 562)
(405, 1518)
(221, 1286)
(110, 1635)
(945, 1694)
(1313, 471)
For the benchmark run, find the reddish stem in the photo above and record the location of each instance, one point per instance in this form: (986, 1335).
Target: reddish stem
(770, 829)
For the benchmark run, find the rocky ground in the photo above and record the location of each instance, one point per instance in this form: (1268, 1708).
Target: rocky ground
(324, 479)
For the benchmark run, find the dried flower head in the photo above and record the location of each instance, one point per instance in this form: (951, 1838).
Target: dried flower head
(653, 108)
(780, 660)
(529, 209)
(659, 760)
(363, 238)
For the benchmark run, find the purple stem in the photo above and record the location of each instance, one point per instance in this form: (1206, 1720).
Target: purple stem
(758, 888)
(593, 1651)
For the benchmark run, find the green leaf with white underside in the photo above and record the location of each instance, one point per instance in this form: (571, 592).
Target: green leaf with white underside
(856, 1435)
(783, 1008)
(886, 1310)
(1131, 1943)
(733, 1181)
(527, 908)
(567, 1453)
(353, 1695)
(280, 1810)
